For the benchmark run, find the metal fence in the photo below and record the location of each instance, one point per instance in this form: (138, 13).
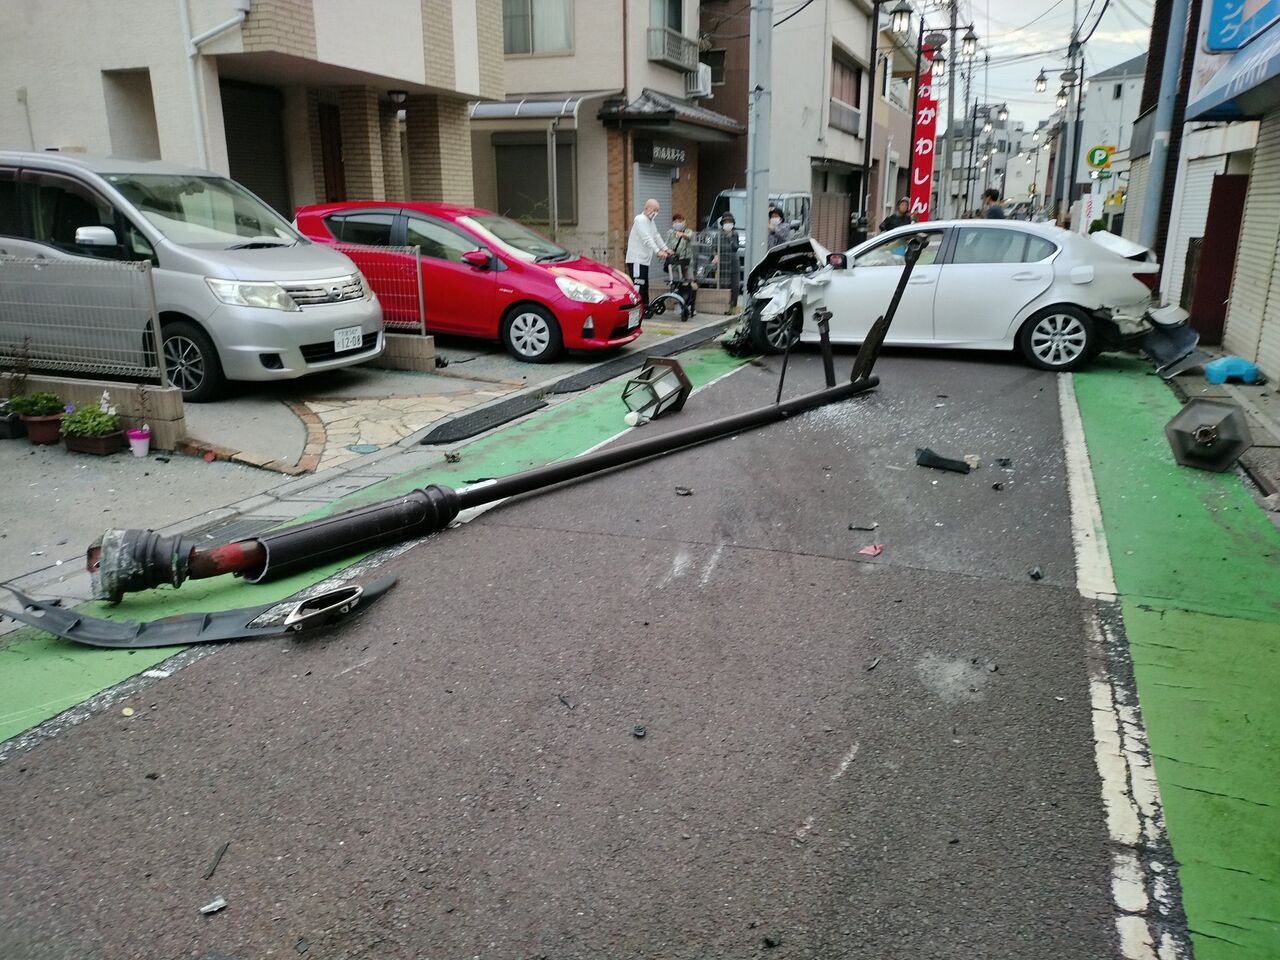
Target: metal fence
(81, 317)
(710, 271)
(395, 274)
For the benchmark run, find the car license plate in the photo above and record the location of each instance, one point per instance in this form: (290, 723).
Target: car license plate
(348, 338)
(633, 318)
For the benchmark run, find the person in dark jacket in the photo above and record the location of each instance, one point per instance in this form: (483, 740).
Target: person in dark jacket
(725, 260)
(899, 218)
(991, 204)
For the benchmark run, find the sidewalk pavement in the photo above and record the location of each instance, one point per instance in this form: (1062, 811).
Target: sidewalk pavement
(1196, 567)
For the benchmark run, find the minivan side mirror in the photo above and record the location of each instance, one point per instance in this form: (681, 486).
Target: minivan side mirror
(478, 259)
(96, 237)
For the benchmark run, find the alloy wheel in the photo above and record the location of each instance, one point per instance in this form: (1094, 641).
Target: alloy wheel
(1059, 339)
(530, 334)
(781, 327)
(184, 363)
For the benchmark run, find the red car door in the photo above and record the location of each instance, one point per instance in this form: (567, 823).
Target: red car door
(390, 273)
(458, 297)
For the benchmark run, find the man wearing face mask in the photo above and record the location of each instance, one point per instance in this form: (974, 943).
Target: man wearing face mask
(643, 244)
(779, 232)
(725, 259)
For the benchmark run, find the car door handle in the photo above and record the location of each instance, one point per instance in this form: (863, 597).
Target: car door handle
(1026, 275)
(921, 280)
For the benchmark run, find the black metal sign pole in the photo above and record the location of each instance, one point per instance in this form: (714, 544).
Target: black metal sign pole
(124, 561)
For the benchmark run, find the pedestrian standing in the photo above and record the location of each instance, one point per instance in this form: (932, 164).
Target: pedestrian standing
(779, 232)
(899, 218)
(643, 244)
(680, 264)
(991, 204)
(726, 258)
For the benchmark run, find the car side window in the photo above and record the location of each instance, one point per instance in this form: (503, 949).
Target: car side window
(60, 206)
(998, 245)
(10, 216)
(370, 229)
(437, 241)
(891, 252)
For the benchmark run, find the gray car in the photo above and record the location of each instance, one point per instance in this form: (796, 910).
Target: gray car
(241, 295)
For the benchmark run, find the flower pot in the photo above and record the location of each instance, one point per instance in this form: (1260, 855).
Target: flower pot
(43, 430)
(139, 442)
(11, 427)
(98, 446)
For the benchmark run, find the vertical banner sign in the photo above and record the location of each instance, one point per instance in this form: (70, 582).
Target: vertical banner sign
(922, 149)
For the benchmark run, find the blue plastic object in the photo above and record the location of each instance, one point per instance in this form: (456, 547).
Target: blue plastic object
(1231, 368)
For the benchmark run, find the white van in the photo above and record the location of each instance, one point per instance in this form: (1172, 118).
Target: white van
(241, 295)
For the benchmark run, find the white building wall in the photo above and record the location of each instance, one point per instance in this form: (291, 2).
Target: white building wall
(1106, 119)
(372, 36)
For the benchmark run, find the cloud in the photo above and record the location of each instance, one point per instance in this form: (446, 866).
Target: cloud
(1132, 35)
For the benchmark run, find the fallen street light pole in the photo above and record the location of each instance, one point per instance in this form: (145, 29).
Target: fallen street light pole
(126, 561)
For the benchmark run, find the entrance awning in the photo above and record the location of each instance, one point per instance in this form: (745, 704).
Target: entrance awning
(661, 112)
(542, 107)
(1246, 86)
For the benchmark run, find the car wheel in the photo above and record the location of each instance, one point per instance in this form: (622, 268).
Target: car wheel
(770, 335)
(191, 362)
(532, 334)
(1058, 338)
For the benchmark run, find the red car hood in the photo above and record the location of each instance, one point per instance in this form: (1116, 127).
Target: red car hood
(610, 282)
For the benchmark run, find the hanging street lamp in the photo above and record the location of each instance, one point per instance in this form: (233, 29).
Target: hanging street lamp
(1042, 82)
(900, 17)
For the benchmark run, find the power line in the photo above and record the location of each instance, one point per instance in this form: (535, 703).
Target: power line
(1101, 13)
(793, 13)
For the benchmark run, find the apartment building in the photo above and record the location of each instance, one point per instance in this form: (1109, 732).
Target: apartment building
(300, 100)
(608, 105)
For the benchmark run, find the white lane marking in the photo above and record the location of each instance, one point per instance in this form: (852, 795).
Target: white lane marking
(1140, 889)
(710, 568)
(1094, 577)
(158, 674)
(844, 763)
(680, 565)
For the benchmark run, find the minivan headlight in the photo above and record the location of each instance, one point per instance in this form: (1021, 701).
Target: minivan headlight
(577, 290)
(270, 296)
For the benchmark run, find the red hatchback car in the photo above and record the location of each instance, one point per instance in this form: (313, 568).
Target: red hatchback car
(483, 275)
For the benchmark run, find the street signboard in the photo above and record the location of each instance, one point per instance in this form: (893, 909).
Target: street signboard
(1233, 23)
(1099, 157)
(926, 127)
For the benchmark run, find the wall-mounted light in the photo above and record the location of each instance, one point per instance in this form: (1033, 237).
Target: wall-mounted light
(398, 97)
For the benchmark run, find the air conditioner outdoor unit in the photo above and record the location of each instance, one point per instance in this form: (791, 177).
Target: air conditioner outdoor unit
(698, 84)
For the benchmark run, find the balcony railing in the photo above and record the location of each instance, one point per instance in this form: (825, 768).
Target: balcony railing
(673, 49)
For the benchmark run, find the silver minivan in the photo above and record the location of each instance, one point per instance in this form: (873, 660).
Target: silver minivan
(241, 295)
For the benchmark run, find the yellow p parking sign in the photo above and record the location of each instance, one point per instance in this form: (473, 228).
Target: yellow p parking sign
(1099, 157)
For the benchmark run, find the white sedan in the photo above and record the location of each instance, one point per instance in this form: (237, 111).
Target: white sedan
(1058, 298)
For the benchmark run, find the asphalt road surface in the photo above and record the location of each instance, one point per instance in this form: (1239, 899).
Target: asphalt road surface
(843, 755)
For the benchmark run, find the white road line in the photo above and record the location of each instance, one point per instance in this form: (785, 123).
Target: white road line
(1130, 796)
(1093, 563)
(710, 568)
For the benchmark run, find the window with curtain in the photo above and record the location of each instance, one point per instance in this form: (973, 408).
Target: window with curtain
(846, 95)
(521, 169)
(667, 13)
(537, 26)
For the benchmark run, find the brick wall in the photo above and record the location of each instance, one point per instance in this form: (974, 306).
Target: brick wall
(361, 143)
(439, 132)
(618, 169)
(317, 146)
(288, 26)
(437, 38)
(684, 192)
(492, 59)
(392, 158)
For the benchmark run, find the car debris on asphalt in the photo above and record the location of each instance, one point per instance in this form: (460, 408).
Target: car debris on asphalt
(639, 731)
(872, 550)
(1035, 573)
(683, 492)
(927, 458)
(864, 525)
(214, 905)
(217, 859)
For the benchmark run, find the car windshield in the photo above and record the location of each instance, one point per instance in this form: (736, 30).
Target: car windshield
(210, 212)
(726, 203)
(515, 238)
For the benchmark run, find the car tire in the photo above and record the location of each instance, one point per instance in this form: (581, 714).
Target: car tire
(769, 336)
(1060, 338)
(531, 334)
(191, 361)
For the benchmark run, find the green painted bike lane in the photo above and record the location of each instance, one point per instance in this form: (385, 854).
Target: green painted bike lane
(1197, 568)
(41, 675)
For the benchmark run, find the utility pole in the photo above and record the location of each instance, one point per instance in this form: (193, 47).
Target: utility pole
(759, 117)
(951, 107)
(1158, 169)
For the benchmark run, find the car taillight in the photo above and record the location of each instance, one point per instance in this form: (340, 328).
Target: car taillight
(1147, 279)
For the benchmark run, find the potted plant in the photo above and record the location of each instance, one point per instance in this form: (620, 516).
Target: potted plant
(11, 426)
(41, 411)
(140, 437)
(92, 430)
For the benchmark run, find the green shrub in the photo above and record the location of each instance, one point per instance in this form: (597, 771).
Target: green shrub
(89, 422)
(39, 404)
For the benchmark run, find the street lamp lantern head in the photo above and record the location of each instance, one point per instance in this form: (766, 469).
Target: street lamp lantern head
(1062, 97)
(1042, 82)
(1046, 147)
(1003, 115)
(939, 60)
(986, 127)
(660, 388)
(900, 17)
(1035, 137)
(969, 43)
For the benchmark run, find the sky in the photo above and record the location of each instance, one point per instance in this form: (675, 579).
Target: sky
(1022, 36)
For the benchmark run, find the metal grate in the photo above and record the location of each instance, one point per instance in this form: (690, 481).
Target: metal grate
(337, 290)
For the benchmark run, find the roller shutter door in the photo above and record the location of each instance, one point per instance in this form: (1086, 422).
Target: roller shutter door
(1190, 209)
(252, 117)
(1255, 292)
(654, 182)
(1134, 196)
